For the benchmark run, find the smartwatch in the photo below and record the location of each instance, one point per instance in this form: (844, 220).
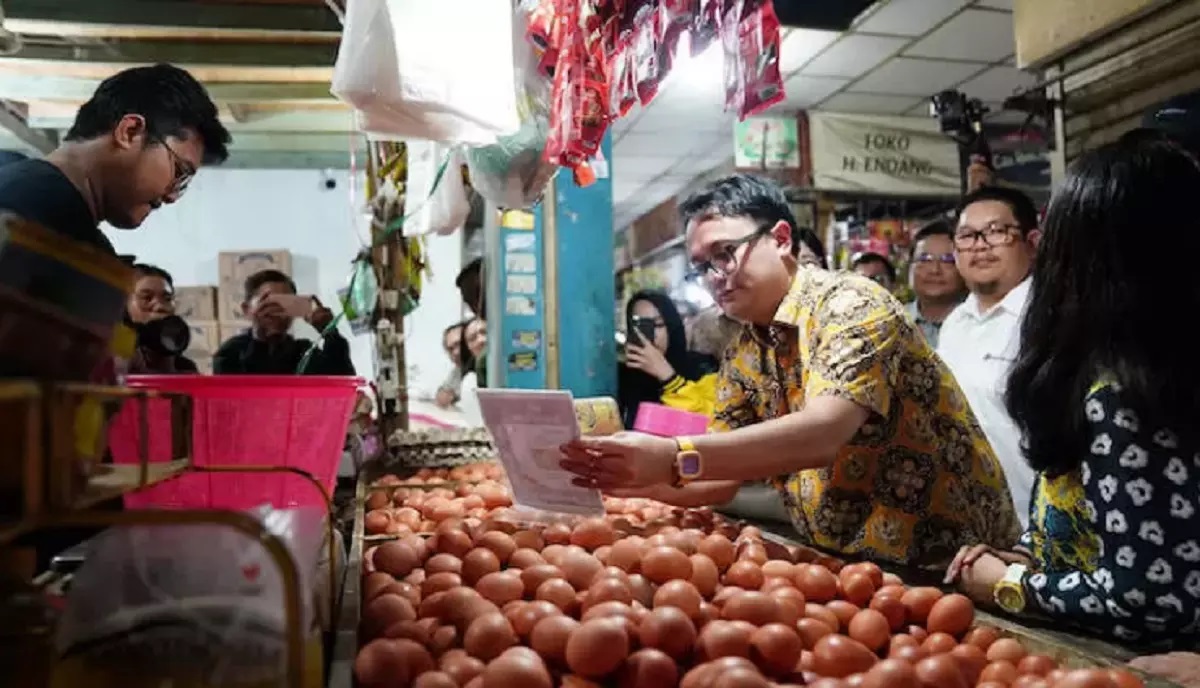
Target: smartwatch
(688, 462)
(1009, 592)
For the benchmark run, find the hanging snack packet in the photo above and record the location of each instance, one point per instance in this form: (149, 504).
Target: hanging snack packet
(732, 48)
(706, 25)
(647, 63)
(540, 34)
(758, 38)
(674, 18)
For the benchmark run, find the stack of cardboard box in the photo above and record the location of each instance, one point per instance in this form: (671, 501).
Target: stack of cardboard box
(215, 313)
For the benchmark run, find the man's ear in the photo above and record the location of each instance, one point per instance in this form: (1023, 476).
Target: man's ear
(129, 132)
(782, 234)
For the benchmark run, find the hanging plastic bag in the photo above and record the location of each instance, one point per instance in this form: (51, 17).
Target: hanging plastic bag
(436, 201)
(512, 173)
(394, 67)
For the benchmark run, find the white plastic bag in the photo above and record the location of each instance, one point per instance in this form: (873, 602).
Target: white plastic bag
(440, 209)
(187, 601)
(405, 66)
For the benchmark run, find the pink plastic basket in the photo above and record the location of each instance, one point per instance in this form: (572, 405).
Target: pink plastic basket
(665, 421)
(240, 420)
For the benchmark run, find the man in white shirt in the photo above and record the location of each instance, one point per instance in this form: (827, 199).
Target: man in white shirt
(994, 246)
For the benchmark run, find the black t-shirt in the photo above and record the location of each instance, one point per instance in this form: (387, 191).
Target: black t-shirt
(39, 192)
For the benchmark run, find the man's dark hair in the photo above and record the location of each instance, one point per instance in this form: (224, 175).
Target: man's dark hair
(254, 282)
(147, 270)
(869, 257)
(938, 227)
(806, 236)
(170, 100)
(1179, 120)
(1021, 205)
(470, 287)
(456, 326)
(744, 195)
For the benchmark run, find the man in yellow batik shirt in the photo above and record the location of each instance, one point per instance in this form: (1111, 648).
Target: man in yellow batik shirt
(830, 391)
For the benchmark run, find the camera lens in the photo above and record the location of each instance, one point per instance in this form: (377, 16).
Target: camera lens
(170, 335)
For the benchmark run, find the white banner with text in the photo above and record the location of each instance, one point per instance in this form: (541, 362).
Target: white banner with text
(901, 156)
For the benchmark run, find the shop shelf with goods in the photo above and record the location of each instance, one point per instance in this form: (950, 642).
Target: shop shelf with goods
(53, 476)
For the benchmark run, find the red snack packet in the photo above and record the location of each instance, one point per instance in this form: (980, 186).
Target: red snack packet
(540, 34)
(731, 46)
(762, 82)
(674, 18)
(706, 25)
(648, 63)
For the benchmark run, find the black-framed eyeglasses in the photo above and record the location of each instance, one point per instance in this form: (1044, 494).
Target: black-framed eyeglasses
(930, 258)
(724, 259)
(995, 234)
(184, 170)
(147, 298)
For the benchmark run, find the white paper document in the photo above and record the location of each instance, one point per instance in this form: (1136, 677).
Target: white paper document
(528, 427)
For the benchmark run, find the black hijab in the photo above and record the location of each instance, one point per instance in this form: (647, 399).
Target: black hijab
(636, 386)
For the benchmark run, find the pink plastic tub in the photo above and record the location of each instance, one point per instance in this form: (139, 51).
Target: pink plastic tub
(241, 420)
(665, 421)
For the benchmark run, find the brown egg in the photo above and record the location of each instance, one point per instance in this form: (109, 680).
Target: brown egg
(775, 648)
(643, 590)
(477, 563)
(440, 582)
(378, 499)
(705, 575)
(857, 589)
(387, 662)
(891, 673)
(982, 637)
(593, 533)
(918, 602)
(725, 639)
(816, 582)
(443, 563)
(1006, 649)
(892, 609)
(776, 568)
(374, 584)
(597, 647)
(940, 672)
(648, 668)
(518, 666)
(501, 544)
(607, 589)
(376, 522)
(662, 564)
(488, 636)
(557, 534)
(971, 662)
(952, 614)
(670, 630)
(416, 631)
(549, 637)
(528, 539)
(455, 543)
(443, 638)
(500, 587)
(744, 574)
(844, 611)
(757, 608)
(1001, 671)
(838, 656)
(625, 555)
(812, 630)
(559, 593)
(524, 558)
(396, 558)
(460, 666)
(870, 628)
(532, 577)
(580, 568)
(383, 611)
(610, 572)
(681, 594)
(938, 644)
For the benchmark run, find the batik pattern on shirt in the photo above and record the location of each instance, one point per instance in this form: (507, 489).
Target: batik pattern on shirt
(1115, 541)
(918, 480)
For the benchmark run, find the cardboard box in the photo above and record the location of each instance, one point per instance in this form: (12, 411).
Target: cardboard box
(205, 338)
(196, 303)
(235, 266)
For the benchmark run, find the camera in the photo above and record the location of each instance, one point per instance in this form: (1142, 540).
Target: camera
(169, 336)
(958, 116)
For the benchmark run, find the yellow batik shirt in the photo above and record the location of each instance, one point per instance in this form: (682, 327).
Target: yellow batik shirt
(919, 479)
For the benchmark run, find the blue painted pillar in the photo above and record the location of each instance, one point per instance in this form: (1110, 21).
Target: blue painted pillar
(551, 291)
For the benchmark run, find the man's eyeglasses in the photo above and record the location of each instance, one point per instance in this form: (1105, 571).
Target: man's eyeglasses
(724, 259)
(146, 299)
(993, 235)
(184, 170)
(931, 258)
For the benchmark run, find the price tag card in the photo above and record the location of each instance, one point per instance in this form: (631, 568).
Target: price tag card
(528, 427)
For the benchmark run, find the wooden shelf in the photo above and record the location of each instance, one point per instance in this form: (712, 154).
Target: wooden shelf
(113, 481)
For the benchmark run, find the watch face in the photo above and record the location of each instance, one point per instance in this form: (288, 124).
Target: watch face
(689, 464)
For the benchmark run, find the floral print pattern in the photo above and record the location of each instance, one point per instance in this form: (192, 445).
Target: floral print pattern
(919, 479)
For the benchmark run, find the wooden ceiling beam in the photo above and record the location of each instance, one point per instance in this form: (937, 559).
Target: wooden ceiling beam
(171, 19)
(124, 53)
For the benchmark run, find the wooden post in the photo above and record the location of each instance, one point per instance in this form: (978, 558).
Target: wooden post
(389, 260)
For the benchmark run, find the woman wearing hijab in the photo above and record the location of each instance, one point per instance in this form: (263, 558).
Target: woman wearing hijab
(658, 367)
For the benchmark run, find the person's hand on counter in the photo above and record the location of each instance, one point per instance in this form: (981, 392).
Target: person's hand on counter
(1182, 668)
(979, 568)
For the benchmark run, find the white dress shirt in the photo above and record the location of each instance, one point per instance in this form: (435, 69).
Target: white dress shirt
(980, 348)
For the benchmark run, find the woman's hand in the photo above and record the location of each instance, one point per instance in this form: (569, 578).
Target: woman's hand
(623, 460)
(1182, 668)
(967, 556)
(648, 359)
(977, 569)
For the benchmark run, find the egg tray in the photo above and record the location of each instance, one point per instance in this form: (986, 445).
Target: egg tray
(440, 447)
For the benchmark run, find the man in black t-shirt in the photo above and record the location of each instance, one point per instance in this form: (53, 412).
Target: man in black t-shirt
(133, 147)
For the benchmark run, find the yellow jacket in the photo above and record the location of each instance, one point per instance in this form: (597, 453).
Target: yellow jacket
(697, 397)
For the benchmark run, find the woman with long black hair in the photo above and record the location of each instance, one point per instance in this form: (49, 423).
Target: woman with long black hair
(1106, 393)
(658, 367)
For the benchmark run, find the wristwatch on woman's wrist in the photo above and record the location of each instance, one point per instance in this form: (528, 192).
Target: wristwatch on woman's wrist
(1009, 592)
(688, 462)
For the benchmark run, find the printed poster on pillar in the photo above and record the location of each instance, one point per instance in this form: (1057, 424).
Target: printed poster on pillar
(899, 156)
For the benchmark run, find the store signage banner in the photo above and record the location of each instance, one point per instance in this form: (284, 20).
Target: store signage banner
(767, 143)
(901, 156)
